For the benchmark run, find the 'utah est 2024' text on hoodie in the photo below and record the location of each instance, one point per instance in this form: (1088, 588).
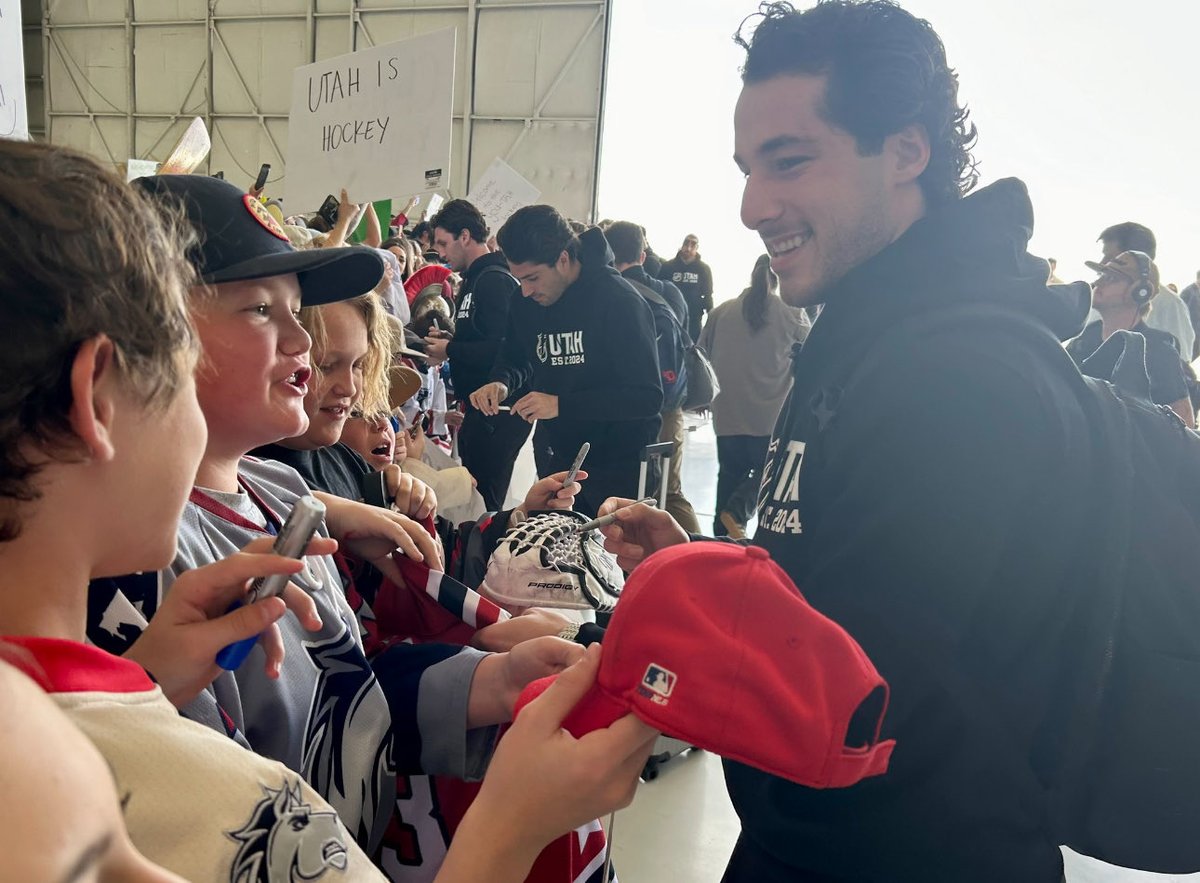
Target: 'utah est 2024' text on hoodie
(594, 348)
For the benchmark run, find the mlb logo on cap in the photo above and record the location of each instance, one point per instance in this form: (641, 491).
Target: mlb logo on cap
(764, 678)
(657, 684)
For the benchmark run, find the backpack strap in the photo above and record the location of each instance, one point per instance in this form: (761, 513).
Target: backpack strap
(654, 297)
(495, 268)
(1073, 734)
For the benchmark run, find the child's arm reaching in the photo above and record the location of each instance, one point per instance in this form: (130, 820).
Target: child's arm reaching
(373, 533)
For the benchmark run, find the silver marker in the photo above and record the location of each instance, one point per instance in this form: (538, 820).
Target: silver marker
(604, 520)
(574, 470)
(293, 539)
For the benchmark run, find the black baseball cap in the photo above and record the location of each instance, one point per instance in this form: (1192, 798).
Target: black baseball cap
(239, 239)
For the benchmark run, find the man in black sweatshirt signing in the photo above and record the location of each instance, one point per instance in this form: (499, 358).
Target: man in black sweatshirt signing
(489, 444)
(582, 339)
(928, 484)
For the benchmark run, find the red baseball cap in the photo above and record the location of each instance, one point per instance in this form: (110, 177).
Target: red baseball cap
(711, 643)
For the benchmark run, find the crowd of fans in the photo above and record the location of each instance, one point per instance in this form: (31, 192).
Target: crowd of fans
(315, 372)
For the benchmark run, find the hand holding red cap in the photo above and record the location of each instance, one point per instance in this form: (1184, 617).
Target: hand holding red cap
(711, 643)
(543, 782)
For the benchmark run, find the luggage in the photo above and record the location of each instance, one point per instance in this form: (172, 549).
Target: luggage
(665, 747)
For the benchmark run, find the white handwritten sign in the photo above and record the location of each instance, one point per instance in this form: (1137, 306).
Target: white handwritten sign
(140, 168)
(14, 120)
(376, 122)
(500, 192)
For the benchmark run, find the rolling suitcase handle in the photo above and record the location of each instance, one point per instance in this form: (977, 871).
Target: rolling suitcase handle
(660, 452)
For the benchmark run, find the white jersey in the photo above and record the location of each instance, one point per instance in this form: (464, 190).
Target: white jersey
(194, 801)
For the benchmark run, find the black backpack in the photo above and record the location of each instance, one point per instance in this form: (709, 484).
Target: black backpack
(673, 344)
(1117, 753)
(1130, 787)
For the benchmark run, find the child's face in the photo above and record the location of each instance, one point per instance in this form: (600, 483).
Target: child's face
(373, 438)
(338, 381)
(254, 370)
(158, 452)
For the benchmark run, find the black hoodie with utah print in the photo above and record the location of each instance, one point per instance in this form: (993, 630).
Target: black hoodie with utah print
(935, 504)
(594, 348)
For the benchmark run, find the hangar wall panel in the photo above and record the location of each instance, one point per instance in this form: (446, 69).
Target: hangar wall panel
(122, 78)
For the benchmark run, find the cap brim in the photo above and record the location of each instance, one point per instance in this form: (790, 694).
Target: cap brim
(595, 711)
(404, 383)
(326, 275)
(400, 333)
(1107, 268)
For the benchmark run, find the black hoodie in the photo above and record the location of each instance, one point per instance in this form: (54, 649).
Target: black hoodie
(594, 348)
(484, 300)
(694, 281)
(935, 506)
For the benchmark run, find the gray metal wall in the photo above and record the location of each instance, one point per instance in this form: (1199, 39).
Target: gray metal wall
(122, 78)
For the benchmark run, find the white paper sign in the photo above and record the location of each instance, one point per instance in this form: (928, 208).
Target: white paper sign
(14, 119)
(376, 122)
(140, 168)
(500, 192)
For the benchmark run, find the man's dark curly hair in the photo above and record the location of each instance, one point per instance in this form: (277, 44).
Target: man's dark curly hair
(537, 234)
(886, 70)
(458, 215)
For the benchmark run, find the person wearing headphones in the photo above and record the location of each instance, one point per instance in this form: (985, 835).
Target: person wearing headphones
(1122, 296)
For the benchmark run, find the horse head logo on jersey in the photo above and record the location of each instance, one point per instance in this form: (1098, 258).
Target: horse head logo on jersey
(285, 840)
(543, 348)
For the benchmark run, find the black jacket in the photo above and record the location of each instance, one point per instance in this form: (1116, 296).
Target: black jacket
(936, 507)
(694, 280)
(667, 290)
(594, 348)
(337, 469)
(479, 322)
(1165, 367)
